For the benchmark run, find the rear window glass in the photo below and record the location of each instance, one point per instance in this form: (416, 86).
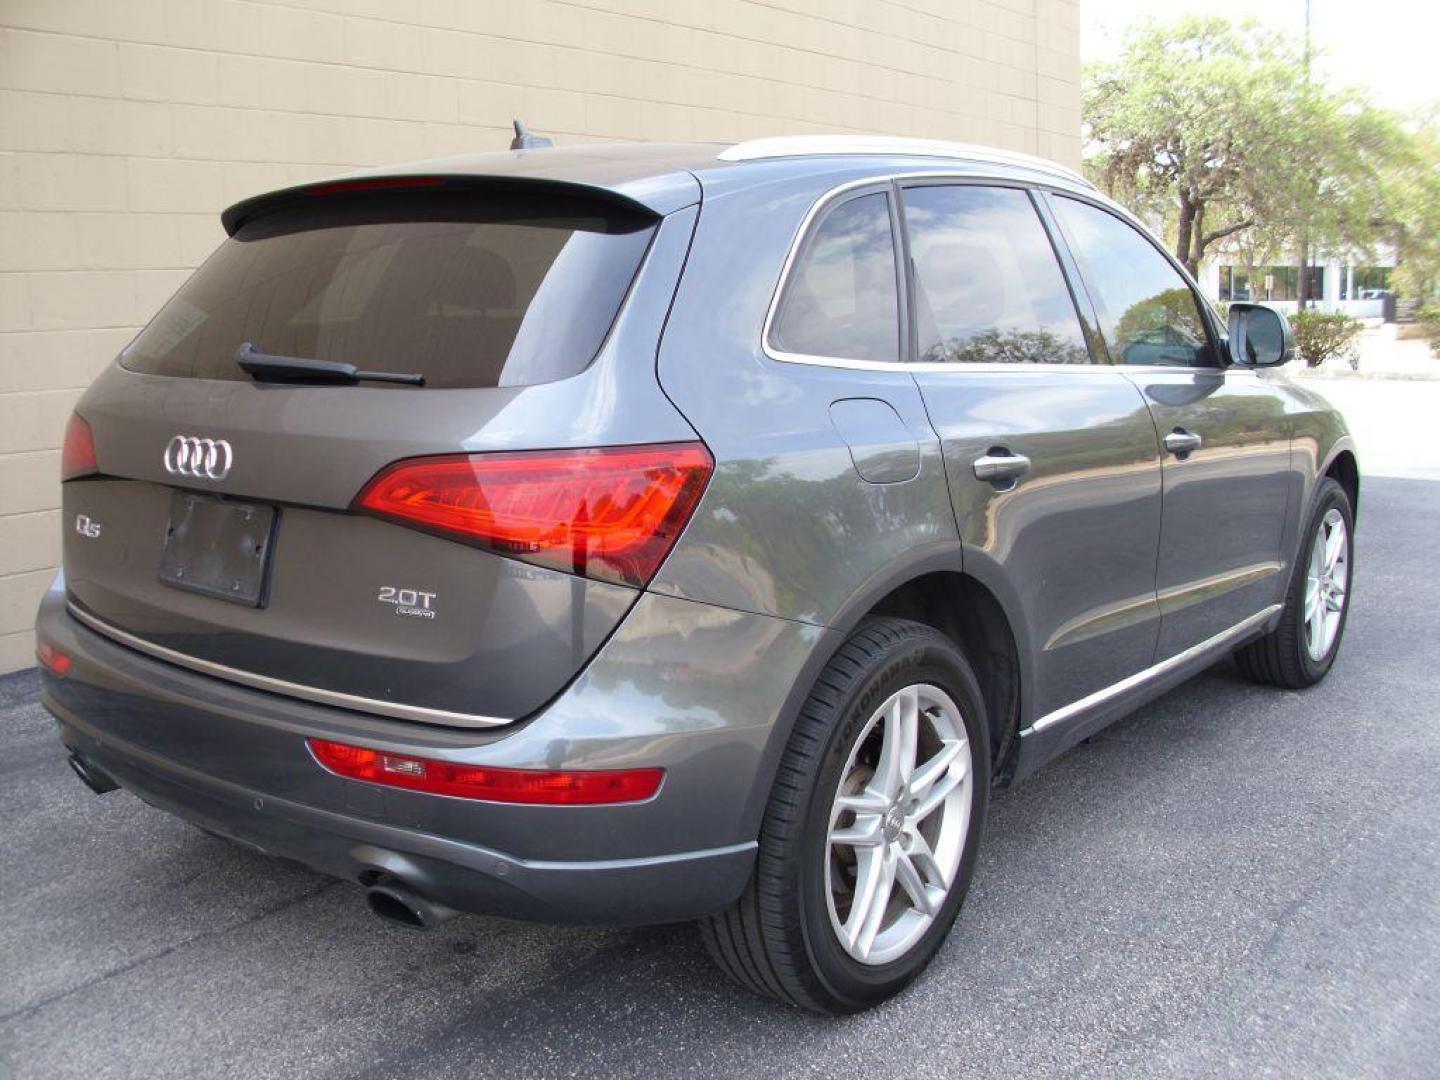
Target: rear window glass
(841, 300)
(470, 289)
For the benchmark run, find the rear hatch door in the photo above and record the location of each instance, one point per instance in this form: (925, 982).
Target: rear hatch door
(221, 532)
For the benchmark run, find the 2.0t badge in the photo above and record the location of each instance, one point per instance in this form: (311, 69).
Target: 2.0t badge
(413, 602)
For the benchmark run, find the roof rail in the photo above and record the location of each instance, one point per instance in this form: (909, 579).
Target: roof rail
(887, 146)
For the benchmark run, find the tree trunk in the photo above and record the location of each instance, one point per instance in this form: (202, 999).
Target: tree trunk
(1304, 290)
(1185, 237)
(1197, 242)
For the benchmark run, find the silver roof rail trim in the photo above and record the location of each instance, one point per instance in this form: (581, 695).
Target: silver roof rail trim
(784, 146)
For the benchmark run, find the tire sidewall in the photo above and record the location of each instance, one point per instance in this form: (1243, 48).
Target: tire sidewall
(1331, 496)
(924, 659)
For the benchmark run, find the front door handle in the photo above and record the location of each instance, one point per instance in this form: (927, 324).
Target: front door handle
(1182, 443)
(1000, 467)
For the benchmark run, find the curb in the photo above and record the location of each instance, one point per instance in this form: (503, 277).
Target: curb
(1305, 374)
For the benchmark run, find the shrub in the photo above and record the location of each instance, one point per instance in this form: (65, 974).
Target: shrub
(1429, 320)
(1320, 336)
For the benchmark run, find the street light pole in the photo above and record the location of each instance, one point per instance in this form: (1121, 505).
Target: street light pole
(1304, 292)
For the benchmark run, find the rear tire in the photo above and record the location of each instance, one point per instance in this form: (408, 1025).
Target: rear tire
(864, 858)
(1300, 650)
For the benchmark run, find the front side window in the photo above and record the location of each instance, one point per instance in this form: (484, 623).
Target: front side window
(1147, 311)
(842, 296)
(988, 288)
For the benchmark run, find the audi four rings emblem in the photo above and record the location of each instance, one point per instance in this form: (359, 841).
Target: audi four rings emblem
(200, 459)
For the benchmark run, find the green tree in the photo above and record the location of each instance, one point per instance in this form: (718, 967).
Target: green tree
(1215, 123)
(1410, 216)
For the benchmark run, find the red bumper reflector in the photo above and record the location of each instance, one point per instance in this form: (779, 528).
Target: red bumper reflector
(611, 513)
(77, 456)
(574, 787)
(52, 659)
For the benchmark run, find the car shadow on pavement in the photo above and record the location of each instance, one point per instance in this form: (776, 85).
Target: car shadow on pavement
(1129, 893)
(636, 1002)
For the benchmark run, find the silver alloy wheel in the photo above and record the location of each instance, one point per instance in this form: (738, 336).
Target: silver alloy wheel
(898, 824)
(1326, 579)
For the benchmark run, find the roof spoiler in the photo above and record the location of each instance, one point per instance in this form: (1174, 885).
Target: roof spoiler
(372, 183)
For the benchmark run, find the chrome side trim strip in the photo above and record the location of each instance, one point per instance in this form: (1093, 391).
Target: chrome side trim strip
(281, 686)
(1182, 596)
(1140, 678)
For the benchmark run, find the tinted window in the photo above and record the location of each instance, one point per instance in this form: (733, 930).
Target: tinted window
(1147, 311)
(469, 289)
(988, 288)
(842, 296)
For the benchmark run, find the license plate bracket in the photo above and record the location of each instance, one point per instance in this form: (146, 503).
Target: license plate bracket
(218, 547)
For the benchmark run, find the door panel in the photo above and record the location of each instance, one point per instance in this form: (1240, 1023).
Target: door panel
(1075, 537)
(1221, 559)
(1223, 433)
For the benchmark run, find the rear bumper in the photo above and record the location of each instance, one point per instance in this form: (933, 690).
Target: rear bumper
(464, 876)
(691, 688)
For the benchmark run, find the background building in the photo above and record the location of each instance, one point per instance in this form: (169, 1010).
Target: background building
(127, 125)
(1353, 284)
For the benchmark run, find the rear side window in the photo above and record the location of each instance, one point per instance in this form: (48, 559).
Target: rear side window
(470, 289)
(988, 288)
(842, 298)
(1148, 313)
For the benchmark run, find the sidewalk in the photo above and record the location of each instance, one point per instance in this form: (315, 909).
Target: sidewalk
(1382, 356)
(1391, 419)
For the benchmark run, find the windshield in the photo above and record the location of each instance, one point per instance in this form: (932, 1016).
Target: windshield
(470, 289)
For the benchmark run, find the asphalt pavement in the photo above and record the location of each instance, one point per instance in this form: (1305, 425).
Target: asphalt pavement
(1235, 881)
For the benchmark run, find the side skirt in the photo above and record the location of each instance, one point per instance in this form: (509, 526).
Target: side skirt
(1056, 732)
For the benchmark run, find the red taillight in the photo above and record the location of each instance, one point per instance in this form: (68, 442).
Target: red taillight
(576, 787)
(52, 659)
(608, 513)
(78, 455)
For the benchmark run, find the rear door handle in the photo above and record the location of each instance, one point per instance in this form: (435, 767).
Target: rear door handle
(999, 466)
(1182, 443)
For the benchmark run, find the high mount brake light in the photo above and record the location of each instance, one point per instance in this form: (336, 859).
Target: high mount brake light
(77, 457)
(611, 513)
(566, 787)
(378, 183)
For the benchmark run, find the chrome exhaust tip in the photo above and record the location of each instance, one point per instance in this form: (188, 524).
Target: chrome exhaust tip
(94, 777)
(397, 903)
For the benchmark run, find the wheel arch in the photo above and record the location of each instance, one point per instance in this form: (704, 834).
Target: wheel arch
(1343, 468)
(935, 588)
(963, 609)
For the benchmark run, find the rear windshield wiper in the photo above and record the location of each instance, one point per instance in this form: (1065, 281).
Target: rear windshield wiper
(267, 368)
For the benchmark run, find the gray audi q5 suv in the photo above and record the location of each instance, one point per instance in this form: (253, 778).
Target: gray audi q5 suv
(631, 534)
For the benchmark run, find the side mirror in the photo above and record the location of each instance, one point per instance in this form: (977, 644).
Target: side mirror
(1259, 336)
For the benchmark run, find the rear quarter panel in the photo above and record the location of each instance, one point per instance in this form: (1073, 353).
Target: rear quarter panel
(787, 526)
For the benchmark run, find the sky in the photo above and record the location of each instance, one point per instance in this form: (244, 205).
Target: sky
(1385, 46)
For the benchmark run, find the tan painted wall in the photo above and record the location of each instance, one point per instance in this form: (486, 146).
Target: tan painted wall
(127, 125)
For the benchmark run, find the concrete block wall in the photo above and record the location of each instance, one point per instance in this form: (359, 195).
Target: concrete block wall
(127, 125)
